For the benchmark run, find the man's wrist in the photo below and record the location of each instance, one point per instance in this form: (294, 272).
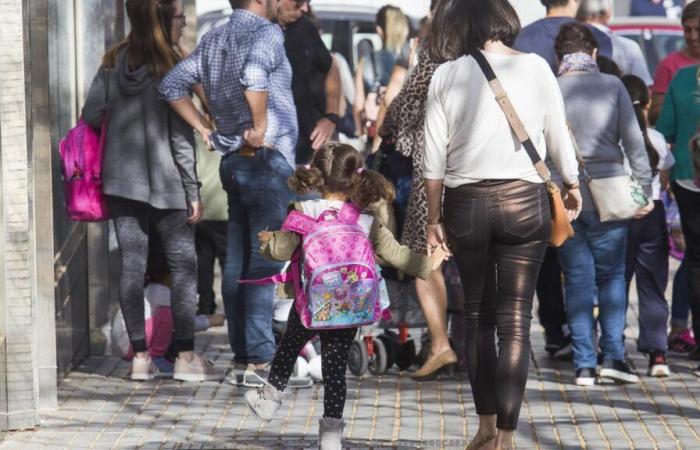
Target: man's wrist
(572, 186)
(333, 117)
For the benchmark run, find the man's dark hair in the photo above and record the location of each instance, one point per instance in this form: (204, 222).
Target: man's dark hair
(462, 26)
(239, 4)
(574, 37)
(549, 4)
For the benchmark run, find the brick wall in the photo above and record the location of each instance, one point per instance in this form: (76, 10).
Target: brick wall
(17, 376)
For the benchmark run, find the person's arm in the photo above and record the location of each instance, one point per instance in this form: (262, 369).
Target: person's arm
(662, 82)
(435, 161)
(262, 61)
(177, 86)
(360, 95)
(257, 102)
(396, 255)
(398, 77)
(278, 245)
(95, 104)
(182, 145)
(325, 128)
(557, 136)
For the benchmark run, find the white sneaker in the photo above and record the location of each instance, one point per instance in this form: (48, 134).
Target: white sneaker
(143, 369)
(199, 369)
(250, 376)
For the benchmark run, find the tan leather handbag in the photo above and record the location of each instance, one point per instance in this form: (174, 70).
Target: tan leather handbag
(561, 227)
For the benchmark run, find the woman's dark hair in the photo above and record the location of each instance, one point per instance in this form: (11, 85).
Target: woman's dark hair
(608, 66)
(691, 11)
(639, 94)
(548, 4)
(461, 26)
(337, 167)
(574, 37)
(149, 41)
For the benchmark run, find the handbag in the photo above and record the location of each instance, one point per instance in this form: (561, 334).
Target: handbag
(561, 227)
(615, 198)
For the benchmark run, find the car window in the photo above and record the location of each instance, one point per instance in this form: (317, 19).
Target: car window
(655, 44)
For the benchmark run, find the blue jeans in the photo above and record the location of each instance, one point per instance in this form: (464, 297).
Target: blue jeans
(593, 261)
(258, 198)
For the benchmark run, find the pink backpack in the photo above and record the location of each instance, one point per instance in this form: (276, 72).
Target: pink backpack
(81, 167)
(339, 284)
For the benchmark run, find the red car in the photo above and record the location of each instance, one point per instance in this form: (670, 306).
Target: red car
(657, 36)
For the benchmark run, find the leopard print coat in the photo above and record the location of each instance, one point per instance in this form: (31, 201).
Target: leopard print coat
(404, 119)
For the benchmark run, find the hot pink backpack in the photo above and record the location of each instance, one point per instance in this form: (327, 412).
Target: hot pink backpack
(81, 167)
(339, 284)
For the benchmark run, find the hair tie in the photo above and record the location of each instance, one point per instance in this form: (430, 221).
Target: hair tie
(636, 103)
(360, 171)
(307, 166)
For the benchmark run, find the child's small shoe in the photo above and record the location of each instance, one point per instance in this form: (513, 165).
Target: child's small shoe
(264, 402)
(330, 433)
(165, 367)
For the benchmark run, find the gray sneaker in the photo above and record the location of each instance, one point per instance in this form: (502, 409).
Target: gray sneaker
(264, 402)
(330, 434)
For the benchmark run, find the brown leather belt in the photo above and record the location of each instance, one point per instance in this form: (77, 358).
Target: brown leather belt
(247, 151)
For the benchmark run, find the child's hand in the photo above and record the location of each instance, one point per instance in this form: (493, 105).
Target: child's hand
(265, 236)
(438, 255)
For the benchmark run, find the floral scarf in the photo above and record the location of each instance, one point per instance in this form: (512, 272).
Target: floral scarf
(578, 62)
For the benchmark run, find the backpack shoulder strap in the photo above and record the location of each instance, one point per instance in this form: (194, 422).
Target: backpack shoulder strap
(299, 222)
(349, 213)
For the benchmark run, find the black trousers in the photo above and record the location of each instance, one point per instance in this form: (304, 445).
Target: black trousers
(550, 294)
(689, 207)
(647, 258)
(335, 346)
(498, 232)
(210, 241)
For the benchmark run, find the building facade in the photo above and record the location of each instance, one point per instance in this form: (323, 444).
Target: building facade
(58, 289)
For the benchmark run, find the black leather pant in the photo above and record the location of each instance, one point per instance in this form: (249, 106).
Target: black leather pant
(498, 231)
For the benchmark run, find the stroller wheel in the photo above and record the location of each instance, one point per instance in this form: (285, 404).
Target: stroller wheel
(358, 359)
(377, 362)
(406, 354)
(391, 347)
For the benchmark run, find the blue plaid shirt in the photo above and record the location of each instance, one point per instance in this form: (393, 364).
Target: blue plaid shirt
(247, 53)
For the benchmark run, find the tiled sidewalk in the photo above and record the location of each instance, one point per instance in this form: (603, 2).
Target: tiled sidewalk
(99, 408)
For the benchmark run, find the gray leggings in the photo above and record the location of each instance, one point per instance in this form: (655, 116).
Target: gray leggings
(132, 221)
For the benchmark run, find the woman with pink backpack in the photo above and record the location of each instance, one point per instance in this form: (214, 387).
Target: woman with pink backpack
(332, 244)
(149, 177)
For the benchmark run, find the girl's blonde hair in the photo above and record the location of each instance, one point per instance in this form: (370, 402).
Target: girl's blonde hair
(394, 24)
(337, 167)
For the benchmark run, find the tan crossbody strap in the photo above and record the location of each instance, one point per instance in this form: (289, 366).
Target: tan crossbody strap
(513, 119)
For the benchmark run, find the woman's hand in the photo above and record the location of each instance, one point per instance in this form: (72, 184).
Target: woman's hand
(436, 235)
(265, 236)
(641, 212)
(572, 202)
(438, 255)
(196, 212)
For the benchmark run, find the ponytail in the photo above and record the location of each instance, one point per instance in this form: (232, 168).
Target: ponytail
(369, 187)
(639, 94)
(652, 153)
(306, 179)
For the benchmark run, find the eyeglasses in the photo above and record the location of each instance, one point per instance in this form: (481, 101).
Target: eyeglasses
(181, 17)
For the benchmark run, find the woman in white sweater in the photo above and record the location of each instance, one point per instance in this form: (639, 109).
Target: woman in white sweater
(496, 210)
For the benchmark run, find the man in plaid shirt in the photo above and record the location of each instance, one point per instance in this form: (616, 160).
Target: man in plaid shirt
(247, 79)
